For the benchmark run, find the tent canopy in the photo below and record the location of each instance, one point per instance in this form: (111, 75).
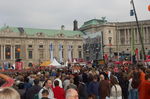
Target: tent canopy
(45, 63)
(55, 63)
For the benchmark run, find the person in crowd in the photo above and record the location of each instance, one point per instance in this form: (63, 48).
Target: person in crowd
(82, 90)
(27, 85)
(142, 80)
(20, 88)
(66, 82)
(76, 79)
(72, 94)
(115, 91)
(72, 85)
(30, 94)
(58, 78)
(85, 77)
(144, 88)
(59, 92)
(91, 97)
(48, 86)
(124, 83)
(93, 87)
(9, 93)
(45, 94)
(134, 82)
(104, 87)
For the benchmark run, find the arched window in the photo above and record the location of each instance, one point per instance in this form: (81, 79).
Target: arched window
(8, 52)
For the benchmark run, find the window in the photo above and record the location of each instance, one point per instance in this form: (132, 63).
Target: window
(109, 31)
(41, 54)
(80, 54)
(30, 54)
(30, 46)
(40, 46)
(109, 38)
(8, 52)
(79, 46)
(71, 53)
(17, 51)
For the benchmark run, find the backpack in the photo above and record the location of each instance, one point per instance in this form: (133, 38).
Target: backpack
(36, 96)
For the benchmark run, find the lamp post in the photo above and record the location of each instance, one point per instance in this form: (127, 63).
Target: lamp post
(141, 39)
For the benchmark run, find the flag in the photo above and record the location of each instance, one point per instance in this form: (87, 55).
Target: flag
(69, 53)
(51, 52)
(60, 53)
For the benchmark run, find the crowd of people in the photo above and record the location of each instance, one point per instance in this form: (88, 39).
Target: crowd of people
(101, 82)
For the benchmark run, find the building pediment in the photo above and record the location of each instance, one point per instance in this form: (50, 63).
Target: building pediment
(40, 34)
(60, 35)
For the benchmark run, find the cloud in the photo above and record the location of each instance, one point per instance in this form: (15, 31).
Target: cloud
(53, 13)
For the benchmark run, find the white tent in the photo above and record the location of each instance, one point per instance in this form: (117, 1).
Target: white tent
(74, 61)
(66, 64)
(55, 63)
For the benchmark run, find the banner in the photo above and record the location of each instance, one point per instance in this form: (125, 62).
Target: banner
(137, 54)
(19, 65)
(51, 52)
(69, 53)
(60, 53)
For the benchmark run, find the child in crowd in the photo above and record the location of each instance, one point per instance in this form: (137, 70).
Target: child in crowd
(45, 94)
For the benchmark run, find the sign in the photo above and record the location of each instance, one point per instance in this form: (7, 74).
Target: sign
(101, 62)
(19, 65)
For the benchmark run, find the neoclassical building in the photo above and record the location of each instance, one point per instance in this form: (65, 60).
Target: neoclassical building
(38, 45)
(116, 36)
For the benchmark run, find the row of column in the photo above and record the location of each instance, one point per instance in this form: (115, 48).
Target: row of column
(3, 52)
(127, 34)
(47, 54)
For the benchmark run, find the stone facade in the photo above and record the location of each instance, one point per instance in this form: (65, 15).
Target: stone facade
(117, 35)
(33, 45)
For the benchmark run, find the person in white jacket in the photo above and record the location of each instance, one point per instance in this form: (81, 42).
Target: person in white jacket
(58, 78)
(48, 86)
(116, 91)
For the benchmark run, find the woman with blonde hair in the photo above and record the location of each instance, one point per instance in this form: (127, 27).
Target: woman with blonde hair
(9, 93)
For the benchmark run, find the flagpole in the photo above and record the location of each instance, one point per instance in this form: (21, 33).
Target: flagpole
(141, 40)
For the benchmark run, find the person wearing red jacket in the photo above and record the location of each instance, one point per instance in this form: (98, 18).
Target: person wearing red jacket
(145, 88)
(59, 92)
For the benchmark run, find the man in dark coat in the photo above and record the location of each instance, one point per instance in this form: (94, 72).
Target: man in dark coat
(33, 90)
(104, 87)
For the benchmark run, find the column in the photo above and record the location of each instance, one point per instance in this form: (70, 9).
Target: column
(134, 35)
(65, 49)
(11, 52)
(137, 37)
(119, 40)
(143, 35)
(14, 52)
(125, 36)
(4, 52)
(148, 34)
(129, 36)
(146, 30)
(1, 52)
(47, 50)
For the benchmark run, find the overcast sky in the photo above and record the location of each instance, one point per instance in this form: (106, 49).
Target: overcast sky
(52, 14)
